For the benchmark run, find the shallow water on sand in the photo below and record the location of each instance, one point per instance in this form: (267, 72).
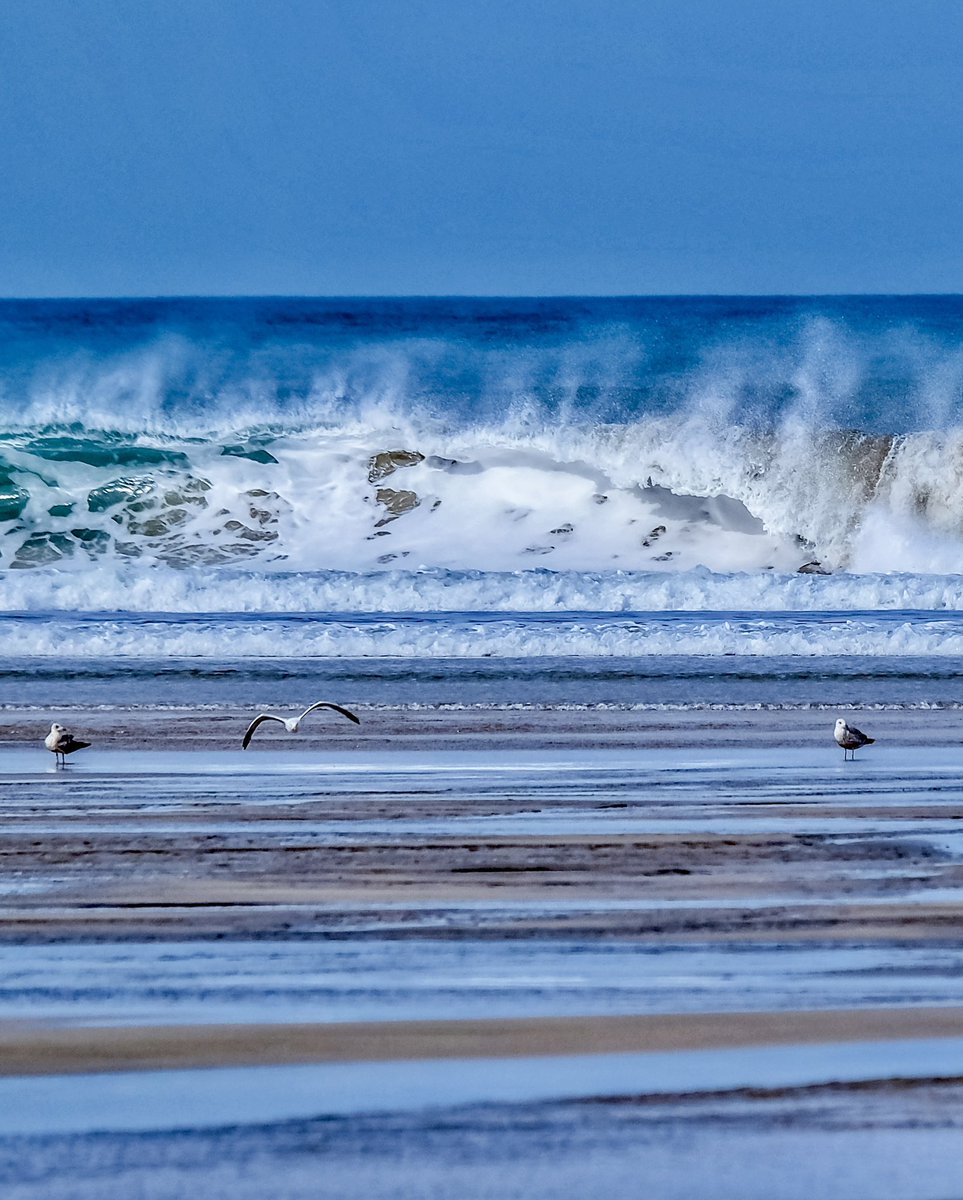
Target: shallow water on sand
(119, 678)
(503, 1129)
(163, 887)
(373, 979)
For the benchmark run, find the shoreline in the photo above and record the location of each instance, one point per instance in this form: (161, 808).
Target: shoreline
(508, 727)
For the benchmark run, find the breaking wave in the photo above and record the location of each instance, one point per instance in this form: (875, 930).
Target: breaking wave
(657, 494)
(459, 454)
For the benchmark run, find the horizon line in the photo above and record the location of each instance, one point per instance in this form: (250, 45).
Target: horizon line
(356, 296)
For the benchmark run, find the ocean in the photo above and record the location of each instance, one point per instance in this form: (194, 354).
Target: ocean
(606, 496)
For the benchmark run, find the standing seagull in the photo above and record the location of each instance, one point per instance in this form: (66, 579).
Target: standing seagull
(62, 742)
(850, 738)
(291, 724)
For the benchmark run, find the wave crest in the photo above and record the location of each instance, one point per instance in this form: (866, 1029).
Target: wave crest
(660, 435)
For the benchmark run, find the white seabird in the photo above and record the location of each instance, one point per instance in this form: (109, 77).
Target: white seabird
(61, 742)
(850, 738)
(291, 724)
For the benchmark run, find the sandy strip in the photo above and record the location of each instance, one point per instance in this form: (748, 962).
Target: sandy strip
(27, 1049)
(436, 728)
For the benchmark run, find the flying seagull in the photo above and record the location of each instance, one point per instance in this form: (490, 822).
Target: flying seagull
(292, 724)
(62, 742)
(850, 738)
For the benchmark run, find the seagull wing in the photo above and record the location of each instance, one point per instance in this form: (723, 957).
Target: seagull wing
(345, 712)
(857, 733)
(254, 724)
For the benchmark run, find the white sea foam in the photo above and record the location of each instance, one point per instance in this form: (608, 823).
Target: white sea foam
(113, 587)
(580, 636)
(660, 493)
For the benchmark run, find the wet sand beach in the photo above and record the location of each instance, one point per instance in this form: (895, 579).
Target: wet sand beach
(640, 896)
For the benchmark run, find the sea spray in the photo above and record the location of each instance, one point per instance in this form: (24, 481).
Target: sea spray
(558, 443)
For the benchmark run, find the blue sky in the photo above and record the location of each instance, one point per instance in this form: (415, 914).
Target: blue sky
(480, 146)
